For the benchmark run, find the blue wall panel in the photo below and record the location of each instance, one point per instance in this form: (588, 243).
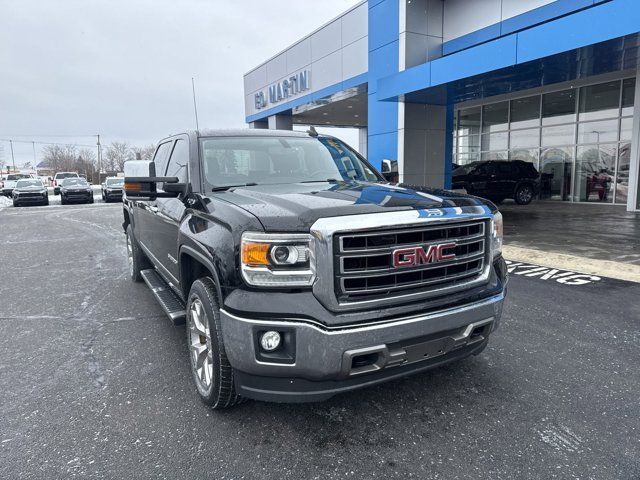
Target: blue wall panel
(383, 146)
(383, 61)
(614, 19)
(597, 24)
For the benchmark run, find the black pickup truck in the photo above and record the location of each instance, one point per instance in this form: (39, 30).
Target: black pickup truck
(301, 273)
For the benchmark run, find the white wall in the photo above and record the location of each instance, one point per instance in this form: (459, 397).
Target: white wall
(335, 52)
(464, 16)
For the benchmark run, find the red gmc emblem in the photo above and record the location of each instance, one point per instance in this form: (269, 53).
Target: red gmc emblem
(410, 257)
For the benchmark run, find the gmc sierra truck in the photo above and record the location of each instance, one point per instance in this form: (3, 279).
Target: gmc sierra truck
(301, 273)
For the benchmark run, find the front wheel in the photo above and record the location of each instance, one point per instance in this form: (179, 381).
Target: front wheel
(524, 195)
(212, 372)
(135, 256)
(16, 204)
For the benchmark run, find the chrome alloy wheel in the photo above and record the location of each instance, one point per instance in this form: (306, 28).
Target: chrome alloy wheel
(130, 255)
(525, 194)
(200, 344)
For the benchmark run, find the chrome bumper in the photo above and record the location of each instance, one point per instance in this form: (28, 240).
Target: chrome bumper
(323, 353)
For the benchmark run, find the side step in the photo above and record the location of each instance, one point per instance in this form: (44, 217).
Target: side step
(168, 300)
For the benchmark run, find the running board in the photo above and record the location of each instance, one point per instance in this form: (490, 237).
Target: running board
(168, 300)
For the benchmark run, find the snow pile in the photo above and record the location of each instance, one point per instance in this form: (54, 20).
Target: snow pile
(5, 202)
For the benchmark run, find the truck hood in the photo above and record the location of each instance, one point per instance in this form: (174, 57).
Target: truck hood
(295, 207)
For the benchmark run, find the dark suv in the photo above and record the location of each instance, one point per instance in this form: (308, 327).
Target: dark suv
(497, 180)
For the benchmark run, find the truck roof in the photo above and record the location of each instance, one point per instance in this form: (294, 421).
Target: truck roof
(239, 132)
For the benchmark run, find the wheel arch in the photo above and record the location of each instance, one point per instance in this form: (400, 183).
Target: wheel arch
(194, 265)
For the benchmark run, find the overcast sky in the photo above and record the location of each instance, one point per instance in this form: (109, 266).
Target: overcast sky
(123, 68)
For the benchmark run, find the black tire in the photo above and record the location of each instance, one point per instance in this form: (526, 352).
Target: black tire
(220, 393)
(62, 201)
(16, 204)
(91, 199)
(524, 194)
(46, 201)
(138, 261)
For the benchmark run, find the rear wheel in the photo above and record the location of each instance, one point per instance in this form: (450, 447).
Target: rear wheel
(524, 194)
(212, 372)
(135, 256)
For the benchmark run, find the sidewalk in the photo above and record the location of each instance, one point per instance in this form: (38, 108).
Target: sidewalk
(596, 239)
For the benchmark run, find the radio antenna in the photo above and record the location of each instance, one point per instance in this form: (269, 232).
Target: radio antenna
(195, 107)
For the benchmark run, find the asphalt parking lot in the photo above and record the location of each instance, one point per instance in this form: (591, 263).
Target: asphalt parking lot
(95, 382)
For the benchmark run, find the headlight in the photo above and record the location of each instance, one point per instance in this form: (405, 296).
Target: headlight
(496, 234)
(277, 260)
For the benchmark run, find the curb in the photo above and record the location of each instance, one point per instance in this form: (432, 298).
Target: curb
(604, 268)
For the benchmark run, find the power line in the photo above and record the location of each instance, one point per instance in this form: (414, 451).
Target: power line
(49, 136)
(47, 143)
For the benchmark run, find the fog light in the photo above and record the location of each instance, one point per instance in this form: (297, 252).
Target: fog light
(270, 340)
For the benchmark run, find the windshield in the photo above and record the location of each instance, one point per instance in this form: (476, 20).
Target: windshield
(270, 160)
(465, 169)
(74, 181)
(29, 183)
(18, 176)
(112, 182)
(60, 176)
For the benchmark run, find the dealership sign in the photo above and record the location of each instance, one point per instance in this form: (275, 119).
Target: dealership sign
(279, 91)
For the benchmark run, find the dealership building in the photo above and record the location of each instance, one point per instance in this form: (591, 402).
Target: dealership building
(433, 83)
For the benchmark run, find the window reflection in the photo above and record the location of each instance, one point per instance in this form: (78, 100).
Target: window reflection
(558, 135)
(469, 121)
(599, 101)
(595, 167)
(628, 93)
(598, 132)
(555, 172)
(559, 107)
(525, 112)
(495, 141)
(525, 138)
(495, 117)
(622, 180)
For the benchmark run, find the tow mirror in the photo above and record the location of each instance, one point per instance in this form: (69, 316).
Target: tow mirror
(140, 181)
(389, 170)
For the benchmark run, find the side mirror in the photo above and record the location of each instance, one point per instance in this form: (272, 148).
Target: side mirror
(140, 181)
(389, 170)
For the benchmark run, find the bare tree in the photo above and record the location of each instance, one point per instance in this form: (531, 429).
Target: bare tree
(146, 153)
(117, 153)
(60, 157)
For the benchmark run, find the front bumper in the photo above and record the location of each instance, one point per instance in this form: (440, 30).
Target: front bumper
(30, 198)
(77, 196)
(325, 361)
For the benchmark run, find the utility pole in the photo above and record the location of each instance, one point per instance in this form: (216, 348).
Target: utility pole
(99, 158)
(35, 163)
(13, 160)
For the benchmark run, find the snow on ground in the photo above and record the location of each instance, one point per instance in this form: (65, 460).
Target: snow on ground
(4, 201)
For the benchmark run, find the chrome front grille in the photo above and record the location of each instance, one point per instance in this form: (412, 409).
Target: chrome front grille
(363, 261)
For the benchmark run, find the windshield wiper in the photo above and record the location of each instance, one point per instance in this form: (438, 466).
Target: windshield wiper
(328, 180)
(224, 188)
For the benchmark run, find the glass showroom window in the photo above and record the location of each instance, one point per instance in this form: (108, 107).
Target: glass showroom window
(578, 139)
(468, 135)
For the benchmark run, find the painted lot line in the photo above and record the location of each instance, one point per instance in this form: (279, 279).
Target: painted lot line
(566, 277)
(601, 268)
